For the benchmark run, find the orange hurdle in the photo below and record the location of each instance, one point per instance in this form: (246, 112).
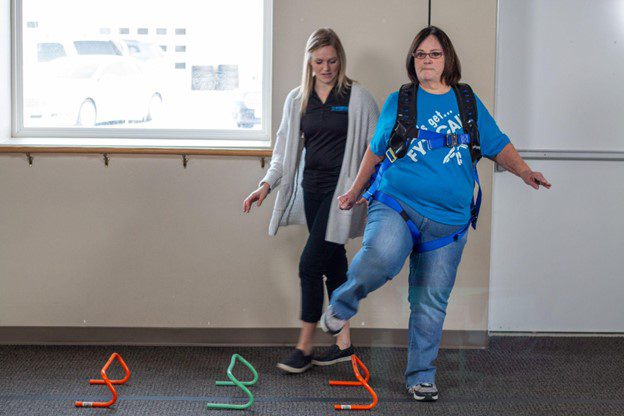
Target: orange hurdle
(362, 381)
(109, 383)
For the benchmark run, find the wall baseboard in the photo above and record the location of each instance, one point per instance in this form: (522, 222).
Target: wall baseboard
(67, 335)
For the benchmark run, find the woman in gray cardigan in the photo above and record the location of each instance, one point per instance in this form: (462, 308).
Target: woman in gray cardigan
(326, 126)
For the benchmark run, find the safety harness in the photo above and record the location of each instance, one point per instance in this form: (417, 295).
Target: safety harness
(405, 131)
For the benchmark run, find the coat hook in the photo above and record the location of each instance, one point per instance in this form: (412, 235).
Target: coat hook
(105, 159)
(30, 159)
(262, 162)
(184, 161)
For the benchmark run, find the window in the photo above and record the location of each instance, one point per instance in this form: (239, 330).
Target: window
(73, 79)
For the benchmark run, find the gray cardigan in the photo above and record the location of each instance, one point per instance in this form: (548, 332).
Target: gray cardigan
(287, 164)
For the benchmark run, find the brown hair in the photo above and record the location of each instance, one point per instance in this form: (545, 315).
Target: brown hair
(452, 67)
(320, 38)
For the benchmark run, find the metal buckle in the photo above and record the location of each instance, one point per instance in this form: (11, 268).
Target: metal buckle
(390, 155)
(451, 140)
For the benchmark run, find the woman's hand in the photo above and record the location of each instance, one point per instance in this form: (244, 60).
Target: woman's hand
(534, 179)
(257, 195)
(352, 197)
(510, 159)
(367, 168)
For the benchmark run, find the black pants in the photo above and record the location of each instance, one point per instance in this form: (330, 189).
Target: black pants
(319, 258)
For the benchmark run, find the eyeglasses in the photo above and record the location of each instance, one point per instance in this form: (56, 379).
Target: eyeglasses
(432, 54)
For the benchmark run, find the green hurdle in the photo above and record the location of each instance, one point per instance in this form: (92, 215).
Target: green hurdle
(234, 382)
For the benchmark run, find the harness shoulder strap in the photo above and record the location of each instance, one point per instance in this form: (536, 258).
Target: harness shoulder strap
(404, 126)
(407, 104)
(467, 104)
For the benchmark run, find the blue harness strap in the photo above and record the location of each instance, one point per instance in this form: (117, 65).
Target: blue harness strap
(444, 241)
(420, 247)
(434, 141)
(376, 178)
(394, 204)
(437, 140)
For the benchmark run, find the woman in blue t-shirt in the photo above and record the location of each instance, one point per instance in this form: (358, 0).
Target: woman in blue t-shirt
(434, 187)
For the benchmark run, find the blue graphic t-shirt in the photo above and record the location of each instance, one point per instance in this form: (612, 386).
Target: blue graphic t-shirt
(438, 184)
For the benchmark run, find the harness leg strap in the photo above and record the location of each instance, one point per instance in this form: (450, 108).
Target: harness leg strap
(394, 204)
(418, 246)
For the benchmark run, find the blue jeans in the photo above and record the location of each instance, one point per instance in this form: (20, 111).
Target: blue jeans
(386, 245)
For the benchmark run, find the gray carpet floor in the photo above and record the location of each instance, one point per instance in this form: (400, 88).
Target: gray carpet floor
(514, 376)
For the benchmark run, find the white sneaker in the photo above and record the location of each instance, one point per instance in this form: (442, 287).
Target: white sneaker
(330, 323)
(424, 392)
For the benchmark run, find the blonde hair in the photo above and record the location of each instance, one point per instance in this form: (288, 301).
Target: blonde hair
(320, 38)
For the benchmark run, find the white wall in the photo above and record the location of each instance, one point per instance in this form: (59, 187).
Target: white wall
(555, 253)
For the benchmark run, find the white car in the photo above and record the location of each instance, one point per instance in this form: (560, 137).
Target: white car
(54, 49)
(89, 90)
(248, 111)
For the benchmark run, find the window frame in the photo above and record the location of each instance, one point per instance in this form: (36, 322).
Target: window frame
(123, 138)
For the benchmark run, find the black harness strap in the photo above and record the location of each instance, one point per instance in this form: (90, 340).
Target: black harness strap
(405, 125)
(468, 112)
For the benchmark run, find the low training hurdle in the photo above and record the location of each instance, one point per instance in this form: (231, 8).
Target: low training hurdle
(109, 383)
(362, 381)
(235, 382)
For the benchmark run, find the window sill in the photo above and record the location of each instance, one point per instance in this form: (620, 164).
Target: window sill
(138, 146)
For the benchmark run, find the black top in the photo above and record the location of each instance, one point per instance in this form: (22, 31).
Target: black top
(324, 127)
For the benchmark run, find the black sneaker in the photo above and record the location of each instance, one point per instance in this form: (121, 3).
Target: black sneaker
(296, 363)
(333, 355)
(424, 392)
